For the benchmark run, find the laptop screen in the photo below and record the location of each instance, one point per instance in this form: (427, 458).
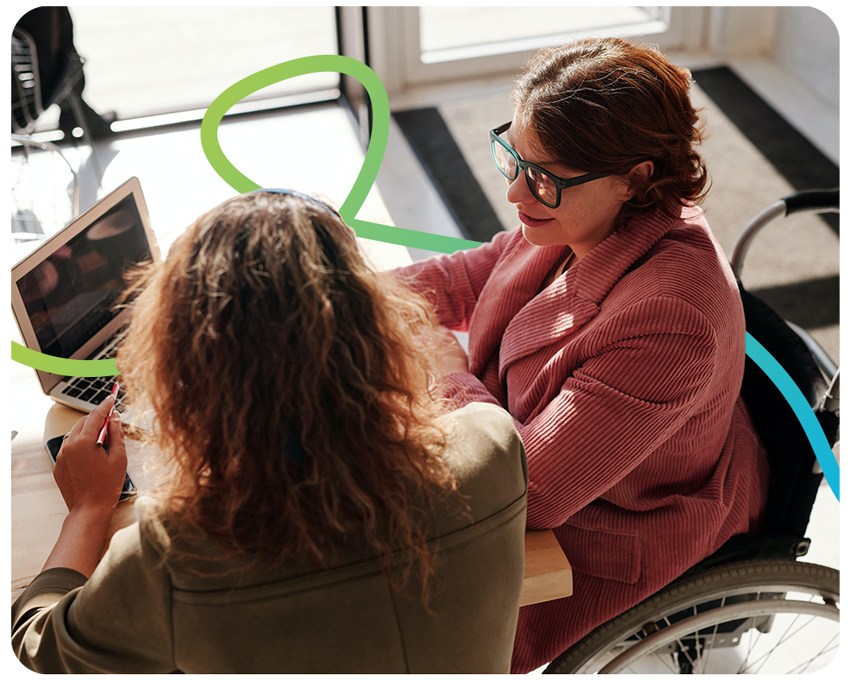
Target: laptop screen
(72, 294)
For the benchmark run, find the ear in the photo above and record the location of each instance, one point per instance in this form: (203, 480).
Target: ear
(639, 175)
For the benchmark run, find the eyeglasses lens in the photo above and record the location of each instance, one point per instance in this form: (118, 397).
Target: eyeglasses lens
(505, 161)
(542, 185)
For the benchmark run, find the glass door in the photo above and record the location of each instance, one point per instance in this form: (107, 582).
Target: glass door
(421, 45)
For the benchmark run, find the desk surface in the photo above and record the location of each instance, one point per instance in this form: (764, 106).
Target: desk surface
(37, 506)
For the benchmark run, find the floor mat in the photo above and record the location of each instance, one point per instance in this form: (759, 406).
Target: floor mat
(446, 165)
(799, 162)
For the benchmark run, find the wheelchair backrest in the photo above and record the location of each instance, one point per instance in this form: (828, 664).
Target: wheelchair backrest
(793, 484)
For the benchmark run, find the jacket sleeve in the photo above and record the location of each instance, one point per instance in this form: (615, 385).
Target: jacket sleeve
(453, 283)
(118, 621)
(613, 411)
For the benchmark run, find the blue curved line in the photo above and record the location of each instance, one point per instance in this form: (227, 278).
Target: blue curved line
(801, 408)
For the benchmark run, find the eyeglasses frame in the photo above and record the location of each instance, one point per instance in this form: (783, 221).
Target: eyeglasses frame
(560, 182)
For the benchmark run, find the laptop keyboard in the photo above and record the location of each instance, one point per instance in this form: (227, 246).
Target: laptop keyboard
(95, 390)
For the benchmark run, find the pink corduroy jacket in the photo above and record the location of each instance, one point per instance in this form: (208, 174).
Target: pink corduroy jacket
(623, 378)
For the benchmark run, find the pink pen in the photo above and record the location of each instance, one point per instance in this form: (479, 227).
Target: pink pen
(103, 437)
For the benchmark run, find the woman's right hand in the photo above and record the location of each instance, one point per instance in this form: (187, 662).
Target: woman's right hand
(90, 481)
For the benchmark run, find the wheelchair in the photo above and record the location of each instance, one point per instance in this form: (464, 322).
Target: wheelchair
(731, 612)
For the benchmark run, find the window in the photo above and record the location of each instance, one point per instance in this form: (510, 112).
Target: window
(413, 46)
(150, 60)
(454, 32)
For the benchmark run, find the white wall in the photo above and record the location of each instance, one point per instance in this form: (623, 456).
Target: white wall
(806, 44)
(737, 31)
(802, 40)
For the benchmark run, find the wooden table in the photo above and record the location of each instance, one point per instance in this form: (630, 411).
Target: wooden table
(38, 509)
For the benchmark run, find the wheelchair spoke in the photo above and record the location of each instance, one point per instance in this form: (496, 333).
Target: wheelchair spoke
(785, 636)
(713, 639)
(610, 653)
(677, 630)
(823, 652)
(696, 644)
(681, 646)
(666, 663)
(752, 640)
(751, 643)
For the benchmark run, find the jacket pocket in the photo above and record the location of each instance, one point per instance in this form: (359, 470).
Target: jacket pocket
(601, 552)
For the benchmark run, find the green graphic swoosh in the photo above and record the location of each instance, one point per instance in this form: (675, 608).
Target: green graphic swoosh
(371, 164)
(85, 368)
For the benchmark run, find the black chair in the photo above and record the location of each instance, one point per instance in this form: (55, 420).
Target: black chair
(47, 70)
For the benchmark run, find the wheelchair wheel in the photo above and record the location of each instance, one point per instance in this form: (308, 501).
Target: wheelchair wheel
(755, 616)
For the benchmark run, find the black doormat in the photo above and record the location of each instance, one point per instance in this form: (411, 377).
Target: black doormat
(793, 156)
(434, 145)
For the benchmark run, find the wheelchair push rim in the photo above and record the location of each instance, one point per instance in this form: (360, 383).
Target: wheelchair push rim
(694, 638)
(753, 616)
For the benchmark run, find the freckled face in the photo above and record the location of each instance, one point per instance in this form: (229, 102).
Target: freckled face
(587, 213)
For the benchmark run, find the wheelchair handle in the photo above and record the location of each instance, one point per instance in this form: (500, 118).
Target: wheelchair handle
(831, 403)
(812, 200)
(832, 398)
(808, 200)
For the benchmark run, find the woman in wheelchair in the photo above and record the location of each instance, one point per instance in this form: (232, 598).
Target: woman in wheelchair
(610, 326)
(322, 512)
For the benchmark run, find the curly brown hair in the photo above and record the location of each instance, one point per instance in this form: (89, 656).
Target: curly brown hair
(606, 104)
(289, 386)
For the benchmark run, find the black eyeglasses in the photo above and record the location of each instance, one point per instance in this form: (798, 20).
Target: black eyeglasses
(545, 186)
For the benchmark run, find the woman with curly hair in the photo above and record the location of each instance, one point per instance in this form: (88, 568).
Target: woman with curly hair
(610, 326)
(321, 511)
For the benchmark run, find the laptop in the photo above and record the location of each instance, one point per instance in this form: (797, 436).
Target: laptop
(65, 293)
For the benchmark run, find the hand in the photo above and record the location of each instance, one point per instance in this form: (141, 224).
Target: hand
(451, 357)
(87, 476)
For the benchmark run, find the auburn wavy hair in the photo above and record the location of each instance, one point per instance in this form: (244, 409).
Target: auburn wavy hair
(605, 105)
(289, 383)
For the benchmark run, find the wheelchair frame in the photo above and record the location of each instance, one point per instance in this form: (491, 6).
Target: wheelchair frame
(751, 578)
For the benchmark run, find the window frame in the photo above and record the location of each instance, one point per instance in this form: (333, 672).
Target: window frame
(394, 39)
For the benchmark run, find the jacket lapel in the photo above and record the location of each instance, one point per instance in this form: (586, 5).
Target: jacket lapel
(514, 281)
(573, 300)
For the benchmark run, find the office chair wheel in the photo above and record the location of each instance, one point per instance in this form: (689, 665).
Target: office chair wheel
(754, 616)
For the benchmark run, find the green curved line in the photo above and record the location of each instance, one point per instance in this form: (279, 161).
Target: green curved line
(84, 368)
(371, 163)
(408, 237)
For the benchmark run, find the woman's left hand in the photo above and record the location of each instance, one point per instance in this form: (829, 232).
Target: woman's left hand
(86, 475)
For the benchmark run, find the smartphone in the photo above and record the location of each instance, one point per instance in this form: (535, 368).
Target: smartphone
(53, 446)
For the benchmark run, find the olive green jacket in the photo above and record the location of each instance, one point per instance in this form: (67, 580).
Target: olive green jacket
(146, 610)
